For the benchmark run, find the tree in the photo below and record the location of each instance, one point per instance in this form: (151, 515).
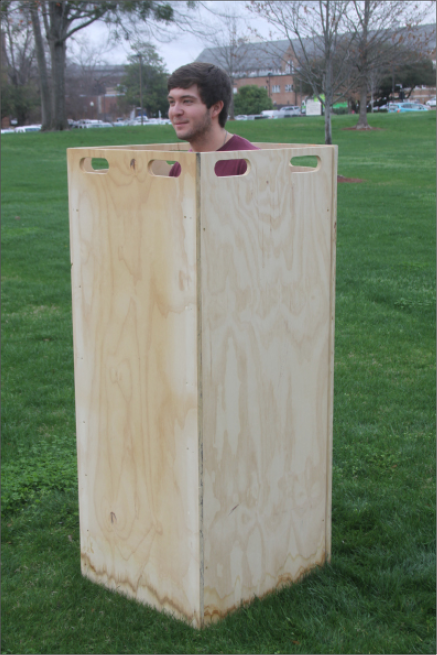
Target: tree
(414, 74)
(19, 77)
(320, 45)
(382, 28)
(252, 99)
(64, 19)
(46, 104)
(230, 42)
(407, 77)
(154, 81)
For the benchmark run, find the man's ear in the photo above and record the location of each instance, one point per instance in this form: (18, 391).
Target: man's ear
(216, 108)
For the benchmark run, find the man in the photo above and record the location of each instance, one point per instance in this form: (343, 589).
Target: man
(199, 97)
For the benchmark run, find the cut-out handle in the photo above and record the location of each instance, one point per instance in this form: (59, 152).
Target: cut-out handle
(305, 164)
(232, 167)
(162, 168)
(94, 165)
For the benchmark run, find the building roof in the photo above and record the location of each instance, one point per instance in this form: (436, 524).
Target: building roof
(265, 56)
(273, 56)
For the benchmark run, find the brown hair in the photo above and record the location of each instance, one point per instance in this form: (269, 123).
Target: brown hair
(214, 84)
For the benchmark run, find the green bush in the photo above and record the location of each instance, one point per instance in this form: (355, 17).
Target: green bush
(251, 99)
(19, 101)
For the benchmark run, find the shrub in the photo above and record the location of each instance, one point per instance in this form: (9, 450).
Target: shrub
(340, 111)
(251, 99)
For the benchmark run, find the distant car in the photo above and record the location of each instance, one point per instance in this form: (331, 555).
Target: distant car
(413, 106)
(83, 123)
(388, 105)
(86, 123)
(28, 128)
(270, 113)
(241, 117)
(148, 121)
(137, 121)
(292, 110)
(393, 107)
(431, 102)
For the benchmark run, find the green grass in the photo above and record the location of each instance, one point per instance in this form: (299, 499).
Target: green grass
(378, 594)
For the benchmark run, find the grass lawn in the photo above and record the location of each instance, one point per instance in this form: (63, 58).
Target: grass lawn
(378, 594)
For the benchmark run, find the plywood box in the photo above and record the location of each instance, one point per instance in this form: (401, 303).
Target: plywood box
(203, 314)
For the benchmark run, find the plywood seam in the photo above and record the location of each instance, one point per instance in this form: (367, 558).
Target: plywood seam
(199, 380)
(329, 445)
(70, 160)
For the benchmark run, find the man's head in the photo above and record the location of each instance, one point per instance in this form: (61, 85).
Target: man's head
(199, 97)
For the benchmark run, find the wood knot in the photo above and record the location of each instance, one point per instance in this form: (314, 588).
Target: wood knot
(113, 517)
(132, 163)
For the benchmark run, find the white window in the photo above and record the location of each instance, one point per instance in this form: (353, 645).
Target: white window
(288, 88)
(276, 88)
(235, 90)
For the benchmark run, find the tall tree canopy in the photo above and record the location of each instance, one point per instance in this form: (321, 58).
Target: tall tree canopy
(61, 20)
(319, 42)
(154, 81)
(19, 76)
(382, 28)
(340, 45)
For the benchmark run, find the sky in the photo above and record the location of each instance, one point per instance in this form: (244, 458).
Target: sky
(183, 48)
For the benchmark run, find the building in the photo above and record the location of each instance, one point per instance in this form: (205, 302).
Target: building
(265, 64)
(92, 91)
(273, 65)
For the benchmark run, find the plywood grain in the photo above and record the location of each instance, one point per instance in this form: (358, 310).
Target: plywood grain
(267, 284)
(203, 315)
(133, 241)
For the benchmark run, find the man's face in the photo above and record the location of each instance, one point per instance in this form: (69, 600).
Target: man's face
(189, 115)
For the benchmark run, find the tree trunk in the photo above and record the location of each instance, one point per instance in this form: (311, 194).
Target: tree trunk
(59, 121)
(364, 69)
(328, 127)
(57, 51)
(362, 121)
(46, 99)
(329, 98)
(231, 109)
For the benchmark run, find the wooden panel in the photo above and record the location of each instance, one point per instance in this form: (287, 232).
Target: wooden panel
(133, 253)
(203, 313)
(267, 341)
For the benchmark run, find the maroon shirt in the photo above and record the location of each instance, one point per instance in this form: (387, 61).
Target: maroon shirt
(228, 166)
